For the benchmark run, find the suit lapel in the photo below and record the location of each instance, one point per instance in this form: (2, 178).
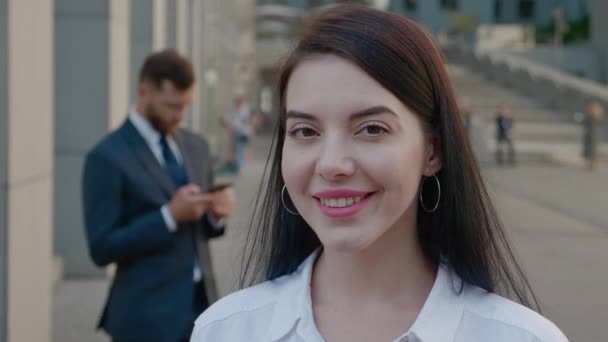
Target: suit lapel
(146, 157)
(188, 163)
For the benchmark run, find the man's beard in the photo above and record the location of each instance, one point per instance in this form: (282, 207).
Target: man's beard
(155, 119)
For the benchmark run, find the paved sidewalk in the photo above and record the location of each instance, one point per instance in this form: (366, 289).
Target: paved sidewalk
(557, 220)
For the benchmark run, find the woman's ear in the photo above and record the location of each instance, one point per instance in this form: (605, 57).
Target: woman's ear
(434, 155)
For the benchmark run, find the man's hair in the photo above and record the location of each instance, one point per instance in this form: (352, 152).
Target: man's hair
(167, 65)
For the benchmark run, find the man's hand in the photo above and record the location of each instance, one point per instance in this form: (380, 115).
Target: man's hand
(222, 202)
(189, 204)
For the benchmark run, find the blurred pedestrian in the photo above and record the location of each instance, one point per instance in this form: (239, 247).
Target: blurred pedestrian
(504, 134)
(466, 111)
(375, 224)
(239, 129)
(147, 210)
(591, 130)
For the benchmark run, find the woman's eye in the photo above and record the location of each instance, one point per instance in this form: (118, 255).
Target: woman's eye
(303, 132)
(373, 130)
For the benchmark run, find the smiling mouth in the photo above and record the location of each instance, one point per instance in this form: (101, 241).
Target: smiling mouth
(342, 202)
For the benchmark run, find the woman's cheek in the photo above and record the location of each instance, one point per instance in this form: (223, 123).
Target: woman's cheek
(297, 166)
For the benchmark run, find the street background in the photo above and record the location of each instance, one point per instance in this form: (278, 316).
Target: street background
(68, 74)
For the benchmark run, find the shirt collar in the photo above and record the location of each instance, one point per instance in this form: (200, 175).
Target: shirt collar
(437, 321)
(144, 127)
(294, 305)
(442, 311)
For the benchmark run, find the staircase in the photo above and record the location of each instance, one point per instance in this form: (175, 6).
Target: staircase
(541, 135)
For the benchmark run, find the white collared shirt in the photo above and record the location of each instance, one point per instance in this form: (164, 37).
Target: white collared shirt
(152, 138)
(281, 310)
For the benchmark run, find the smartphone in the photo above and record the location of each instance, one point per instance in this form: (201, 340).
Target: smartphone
(219, 187)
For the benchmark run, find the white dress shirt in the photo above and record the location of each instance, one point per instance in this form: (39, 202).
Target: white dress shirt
(281, 310)
(152, 138)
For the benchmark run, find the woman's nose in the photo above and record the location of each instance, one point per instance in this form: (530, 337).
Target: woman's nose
(335, 161)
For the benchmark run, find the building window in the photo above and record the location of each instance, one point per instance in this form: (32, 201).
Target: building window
(449, 4)
(410, 5)
(526, 9)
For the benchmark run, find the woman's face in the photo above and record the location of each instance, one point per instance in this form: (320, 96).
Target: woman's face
(353, 154)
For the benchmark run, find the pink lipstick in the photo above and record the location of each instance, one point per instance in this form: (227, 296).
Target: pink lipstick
(342, 203)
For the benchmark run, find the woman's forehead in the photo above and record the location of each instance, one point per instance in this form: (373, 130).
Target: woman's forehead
(328, 83)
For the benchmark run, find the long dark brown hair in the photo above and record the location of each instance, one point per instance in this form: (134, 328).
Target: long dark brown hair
(464, 232)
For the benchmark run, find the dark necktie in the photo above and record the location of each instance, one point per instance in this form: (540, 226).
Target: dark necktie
(173, 167)
(180, 178)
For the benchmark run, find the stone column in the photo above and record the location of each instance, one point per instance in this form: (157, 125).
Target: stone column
(91, 97)
(183, 28)
(148, 33)
(159, 24)
(26, 169)
(599, 27)
(3, 165)
(178, 30)
(194, 42)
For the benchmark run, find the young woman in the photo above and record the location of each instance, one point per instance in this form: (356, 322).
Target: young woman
(375, 224)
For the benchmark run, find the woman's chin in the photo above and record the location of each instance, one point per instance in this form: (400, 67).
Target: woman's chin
(345, 244)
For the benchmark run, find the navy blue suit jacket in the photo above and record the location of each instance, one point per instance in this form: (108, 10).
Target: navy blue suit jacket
(124, 187)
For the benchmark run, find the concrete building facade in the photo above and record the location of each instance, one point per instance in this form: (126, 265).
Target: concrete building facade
(68, 70)
(599, 27)
(91, 96)
(435, 14)
(26, 169)
(96, 83)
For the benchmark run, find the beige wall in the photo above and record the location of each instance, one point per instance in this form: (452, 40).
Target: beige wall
(28, 149)
(182, 25)
(3, 164)
(159, 38)
(119, 82)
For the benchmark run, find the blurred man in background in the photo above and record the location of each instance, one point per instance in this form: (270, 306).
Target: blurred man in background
(504, 138)
(148, 210)
(591, 131)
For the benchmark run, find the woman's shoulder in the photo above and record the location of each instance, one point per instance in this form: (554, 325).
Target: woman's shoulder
(240, 315)
(501, 314)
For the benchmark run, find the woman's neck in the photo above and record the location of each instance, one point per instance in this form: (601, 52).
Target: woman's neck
(392, 269)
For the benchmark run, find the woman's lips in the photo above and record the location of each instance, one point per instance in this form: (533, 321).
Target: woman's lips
(342, 203)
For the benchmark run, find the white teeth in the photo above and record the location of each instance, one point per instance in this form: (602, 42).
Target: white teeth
(340, 202)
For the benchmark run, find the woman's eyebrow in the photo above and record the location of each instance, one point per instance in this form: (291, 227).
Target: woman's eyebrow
(294, 114)
(357, 115)
(372, 111)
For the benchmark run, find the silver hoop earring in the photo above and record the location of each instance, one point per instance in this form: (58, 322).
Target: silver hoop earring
(284, 205)
(438, 195)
